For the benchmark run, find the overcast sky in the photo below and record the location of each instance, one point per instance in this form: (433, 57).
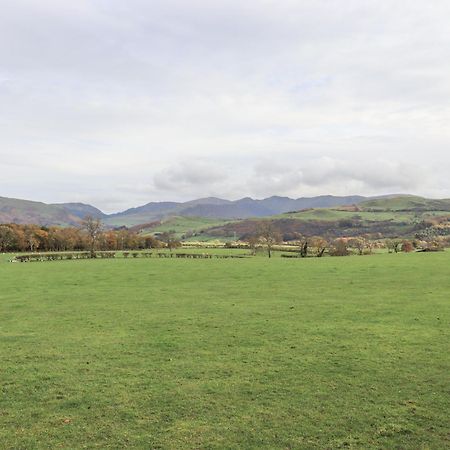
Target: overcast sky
(118, 103)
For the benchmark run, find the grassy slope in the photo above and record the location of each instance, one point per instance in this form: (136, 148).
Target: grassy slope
(150, 353)
(397, 209)
(126, 221)
(407, 202)
(181, 224)
(400, 211)
(333, 214)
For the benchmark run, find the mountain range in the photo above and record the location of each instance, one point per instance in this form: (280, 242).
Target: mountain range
(64, 214)
(67, 214)
(213, 207)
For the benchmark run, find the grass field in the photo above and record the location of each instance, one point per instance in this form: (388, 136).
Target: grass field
(178, 223)
(407, 202)
(333, 214)
(181, 225)
(322, 353)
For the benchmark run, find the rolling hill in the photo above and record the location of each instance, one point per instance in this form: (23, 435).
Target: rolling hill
(398, 216)
(215, 211)
(13, 210)
(217, 208)
(406, 203)
(28, 212)
(82, 210)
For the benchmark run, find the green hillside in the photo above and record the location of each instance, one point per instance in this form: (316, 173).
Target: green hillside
(403, 216)
(333, 214)
(185, 225)
(400, 214)
(406, 203)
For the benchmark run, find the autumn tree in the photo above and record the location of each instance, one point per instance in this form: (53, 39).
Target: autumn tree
(339, 247)
(20, 242)
(93, 228)
(151, 242)
(7, 238)
(169, 238)
(407, 246)
(17, 237)
(31, 239)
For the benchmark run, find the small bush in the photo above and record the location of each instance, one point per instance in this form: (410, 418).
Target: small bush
(339, 248)
(407, 247)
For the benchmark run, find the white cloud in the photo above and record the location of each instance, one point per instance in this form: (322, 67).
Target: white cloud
(180, 99)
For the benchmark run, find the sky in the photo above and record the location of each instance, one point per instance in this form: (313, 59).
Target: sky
(119, 103)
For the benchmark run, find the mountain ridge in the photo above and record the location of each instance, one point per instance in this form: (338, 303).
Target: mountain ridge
(214, 207)
(69, 214)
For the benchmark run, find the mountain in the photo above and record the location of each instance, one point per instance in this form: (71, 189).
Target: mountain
(213, 207)
(65, 214)
(399, 217)
(82, 210)
(14, 210)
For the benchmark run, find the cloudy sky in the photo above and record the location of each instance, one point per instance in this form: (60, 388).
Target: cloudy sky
(118, 103)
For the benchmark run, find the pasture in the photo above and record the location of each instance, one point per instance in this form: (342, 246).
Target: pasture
(181, 225)
(248, 353)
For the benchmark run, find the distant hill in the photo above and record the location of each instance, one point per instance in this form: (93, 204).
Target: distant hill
(403, 216)
(82, 210)
(65, 214)
(24, 211)
(225, 209)
(406, 203)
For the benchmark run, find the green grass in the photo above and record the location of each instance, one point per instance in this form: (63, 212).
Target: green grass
(228, 354)
(329, 214)
(333, 215)
(182, 225)
(407, 202)
(391, 217)
(208, 238)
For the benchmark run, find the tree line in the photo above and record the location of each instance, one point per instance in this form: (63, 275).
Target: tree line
(267, 237)
(89, 236)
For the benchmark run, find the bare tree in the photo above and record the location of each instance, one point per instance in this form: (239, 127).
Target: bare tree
(268, 236)
(393, 245)
(168, 237)
(339, 247)
(93, 228)
(253, 242)
(31, 238)
(304, 248)
(320, 244)
(359, 243)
